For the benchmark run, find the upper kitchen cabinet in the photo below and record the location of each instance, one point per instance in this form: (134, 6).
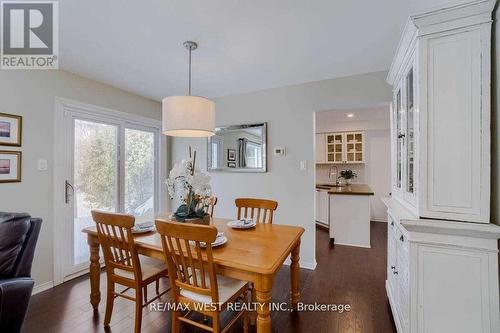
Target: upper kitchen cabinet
(354, 147)
(335, 147)
(441, 113)
(340, 148)
(320, 155)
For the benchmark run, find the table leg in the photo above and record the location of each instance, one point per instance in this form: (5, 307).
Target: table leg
(95, 271)
(263, 291)
(295, 275)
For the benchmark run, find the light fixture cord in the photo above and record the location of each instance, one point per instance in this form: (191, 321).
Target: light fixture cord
(189, 75)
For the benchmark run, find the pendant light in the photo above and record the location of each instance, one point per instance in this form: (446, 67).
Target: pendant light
(188, 116)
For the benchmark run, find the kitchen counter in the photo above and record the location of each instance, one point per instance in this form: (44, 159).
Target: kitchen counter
(353, 189)
(347, 215)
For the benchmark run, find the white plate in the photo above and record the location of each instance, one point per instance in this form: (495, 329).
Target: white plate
(220, 240)
(143, 228)
(237, 224)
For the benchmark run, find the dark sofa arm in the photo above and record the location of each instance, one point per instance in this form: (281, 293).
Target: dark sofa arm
(14, 298)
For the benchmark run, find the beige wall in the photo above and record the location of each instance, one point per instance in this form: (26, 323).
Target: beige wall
(289, 112)
(32, 94)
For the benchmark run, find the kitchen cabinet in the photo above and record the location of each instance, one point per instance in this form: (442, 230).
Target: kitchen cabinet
(350, 217)
(341, 148)
(322, 207)
(320, 155)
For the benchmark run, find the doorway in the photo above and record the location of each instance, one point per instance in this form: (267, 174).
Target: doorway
(351, 146)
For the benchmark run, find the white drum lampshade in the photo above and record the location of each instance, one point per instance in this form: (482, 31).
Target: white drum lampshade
(188, 116)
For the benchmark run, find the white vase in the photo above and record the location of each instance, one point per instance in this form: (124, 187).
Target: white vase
(348, 181)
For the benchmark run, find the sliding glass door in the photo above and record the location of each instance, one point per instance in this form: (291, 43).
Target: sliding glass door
(95, 174)
(140, 175)
(113, 166)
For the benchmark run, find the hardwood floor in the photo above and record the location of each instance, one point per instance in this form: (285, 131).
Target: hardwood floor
(344, 274)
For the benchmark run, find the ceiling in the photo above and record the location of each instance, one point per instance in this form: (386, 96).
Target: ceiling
(364, 114)
(243, 45)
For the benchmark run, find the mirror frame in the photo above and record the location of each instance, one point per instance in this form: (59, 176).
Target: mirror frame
(235, 127)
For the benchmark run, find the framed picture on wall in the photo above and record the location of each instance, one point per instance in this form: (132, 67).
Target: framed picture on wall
(10, 166)
(11, 130)
(231, 155)
(231, 164)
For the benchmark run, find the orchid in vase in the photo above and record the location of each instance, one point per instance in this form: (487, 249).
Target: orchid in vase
(192, 186)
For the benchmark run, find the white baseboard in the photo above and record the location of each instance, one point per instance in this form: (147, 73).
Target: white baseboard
(379, 219)
(354, 245)
(303, 264)
(38, 288)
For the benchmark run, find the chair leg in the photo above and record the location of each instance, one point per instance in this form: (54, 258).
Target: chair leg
(158, 286)
(145, 294)
(175, 321)
(246, 313)
(138, 310)
(215, 323)
(110, 298)
(245, 322)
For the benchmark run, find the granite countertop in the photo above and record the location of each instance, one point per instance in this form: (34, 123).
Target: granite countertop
(353, 189)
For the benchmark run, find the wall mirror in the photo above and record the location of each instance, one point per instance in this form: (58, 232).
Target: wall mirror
(240, 148)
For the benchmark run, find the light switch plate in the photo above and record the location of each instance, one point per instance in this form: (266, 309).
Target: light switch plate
(42, 164)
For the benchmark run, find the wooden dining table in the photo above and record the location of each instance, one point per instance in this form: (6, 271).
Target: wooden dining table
(253, 255)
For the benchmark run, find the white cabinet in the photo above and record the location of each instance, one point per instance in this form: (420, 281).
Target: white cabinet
(441, 113)
(322, 207)
(320, 154)
(442, 260)
(350, 219)
(442, 276)
(341, 148)
(335, 148)
(354, 147)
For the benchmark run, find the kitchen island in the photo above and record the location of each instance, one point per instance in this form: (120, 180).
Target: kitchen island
(348, 213)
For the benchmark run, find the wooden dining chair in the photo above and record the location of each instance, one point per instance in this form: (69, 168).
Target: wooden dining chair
(123, 264)
(210, 206)
(261, 210)
(193, 276)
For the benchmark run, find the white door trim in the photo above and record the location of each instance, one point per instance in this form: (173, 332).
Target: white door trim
(61, 172)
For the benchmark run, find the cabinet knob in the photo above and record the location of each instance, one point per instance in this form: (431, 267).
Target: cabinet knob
(392, 223)
(393, 267)
(402, 238)
(395, 272)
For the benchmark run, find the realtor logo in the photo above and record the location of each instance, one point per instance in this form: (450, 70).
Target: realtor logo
(29, 35)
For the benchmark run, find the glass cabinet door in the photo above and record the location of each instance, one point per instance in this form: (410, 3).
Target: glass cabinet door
(410, 133)
(334, 145)
(354, 144)
(399, 140)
